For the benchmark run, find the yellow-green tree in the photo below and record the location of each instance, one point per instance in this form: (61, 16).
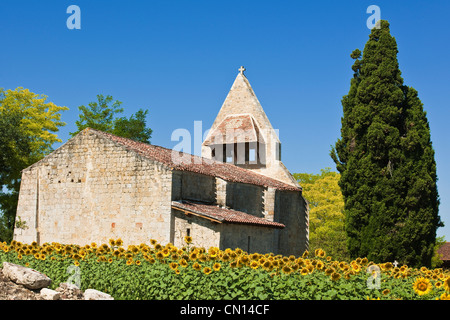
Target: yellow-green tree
(27, 126)
(326, 215)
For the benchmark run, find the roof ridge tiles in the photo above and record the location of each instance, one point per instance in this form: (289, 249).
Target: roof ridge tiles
(197, 164)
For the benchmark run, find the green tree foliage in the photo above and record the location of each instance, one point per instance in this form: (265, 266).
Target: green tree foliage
(101, 114)
(133, 128)
(326, 212)
(27, 123)
(436, 261)
(386, 160)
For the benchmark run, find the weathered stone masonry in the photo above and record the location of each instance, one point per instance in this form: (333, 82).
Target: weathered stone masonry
(92, 190)
(99, 186)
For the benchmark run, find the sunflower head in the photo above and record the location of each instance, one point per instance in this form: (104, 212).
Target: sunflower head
(173, 265)
(422, 286)
(304, 271)
(207, 270)
(446, 284)
(286, 269)
(188, 239)
(335, 276)
(196, 266)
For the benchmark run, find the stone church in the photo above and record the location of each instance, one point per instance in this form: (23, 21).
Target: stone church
(99, 186)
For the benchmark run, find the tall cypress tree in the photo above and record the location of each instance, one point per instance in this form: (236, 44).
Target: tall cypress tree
(386, 160)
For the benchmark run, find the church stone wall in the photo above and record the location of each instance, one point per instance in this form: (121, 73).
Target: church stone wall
(91, 190)
(247, 198)
(193, 186)
(205, 233)
(291, 210)
(249, 238)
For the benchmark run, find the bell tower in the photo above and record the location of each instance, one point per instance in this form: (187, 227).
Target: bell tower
(243, 135)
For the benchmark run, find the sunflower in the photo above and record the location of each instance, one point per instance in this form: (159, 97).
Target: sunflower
(356, 267)
(76, 256)
(183, 263)
(304, 271)
(159, 255)
(335, 276)
(130, 261)
(388, 266)
(213, 252)
(254, 264)
(244, 259)
(444, 296)
(233, 264)
(196, 266)
(446, 283)
(173, 265)
(319, 265)
(386, 292)
(188, 239)
(112, 242)
(422, 286)
(193, 256)
(128, 255)
(153, 242)
(267, 265)
(286, 269)
(76, 263)
(216, 266)
(438, 284)
(226, 257)
(203, 257)
(119, 242)
(207, 270)
(329, 271)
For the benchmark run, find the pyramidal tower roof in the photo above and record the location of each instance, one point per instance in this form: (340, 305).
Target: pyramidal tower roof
(241, 99)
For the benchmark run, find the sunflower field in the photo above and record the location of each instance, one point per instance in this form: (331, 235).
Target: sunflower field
(156, 271)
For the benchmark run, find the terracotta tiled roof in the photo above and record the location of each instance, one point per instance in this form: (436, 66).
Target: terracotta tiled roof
(235, 129)
(218, 214)
(445, 251)
(196, 164)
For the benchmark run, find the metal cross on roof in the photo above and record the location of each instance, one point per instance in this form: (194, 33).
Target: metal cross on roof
(241, 70)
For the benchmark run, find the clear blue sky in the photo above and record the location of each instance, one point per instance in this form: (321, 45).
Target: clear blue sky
(179, 58)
